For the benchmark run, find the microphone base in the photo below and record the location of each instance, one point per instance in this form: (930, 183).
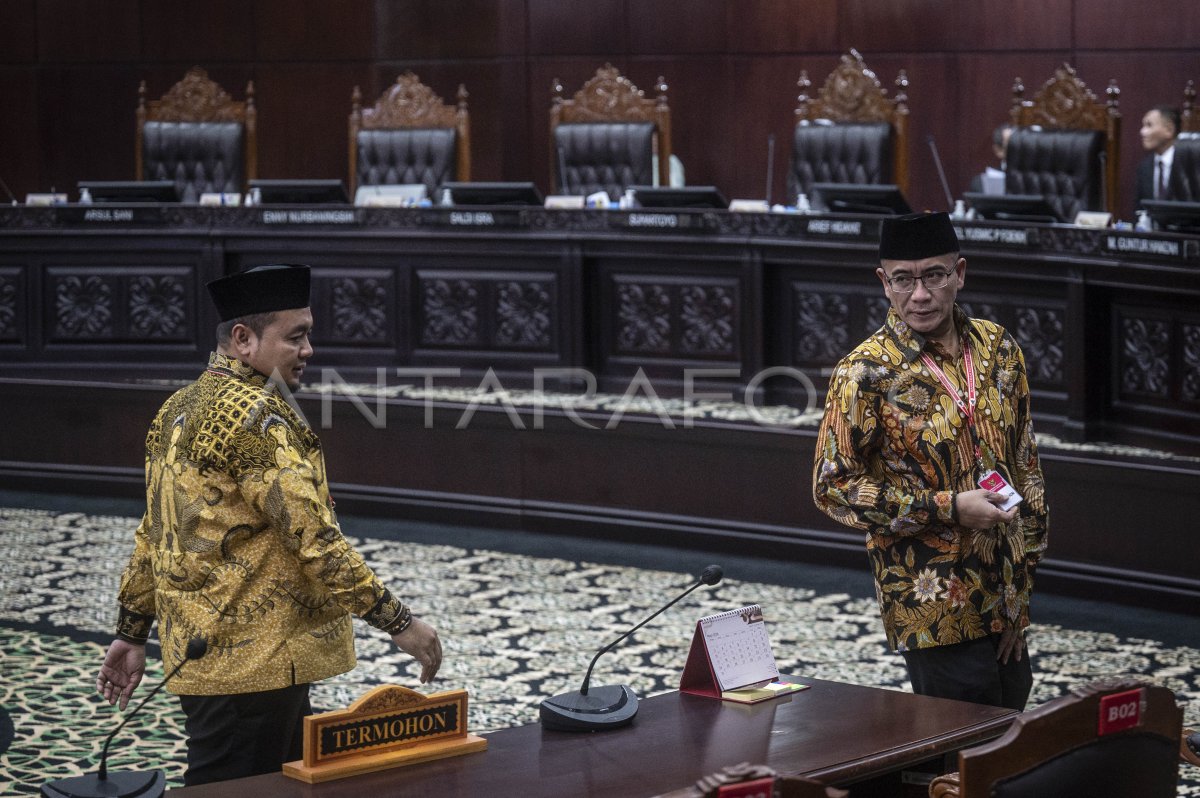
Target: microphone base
(122, 784)
(603, 708)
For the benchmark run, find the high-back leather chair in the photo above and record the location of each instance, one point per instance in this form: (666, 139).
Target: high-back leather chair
(604, 138)
(1079, 746)
(409, 136)
(1066, 146)
(851, 132)
(197, 136)
(1185, 170)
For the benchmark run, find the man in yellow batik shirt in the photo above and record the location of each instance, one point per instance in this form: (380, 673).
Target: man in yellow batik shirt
(240, 547)
(918, 417)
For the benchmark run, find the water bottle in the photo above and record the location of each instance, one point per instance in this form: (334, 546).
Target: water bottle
(802, 203)
(1144, 224)
(85, 196)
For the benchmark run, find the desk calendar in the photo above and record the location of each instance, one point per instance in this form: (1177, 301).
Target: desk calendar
(729, 651)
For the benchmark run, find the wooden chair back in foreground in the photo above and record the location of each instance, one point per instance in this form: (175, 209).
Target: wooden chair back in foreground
(1116, 739)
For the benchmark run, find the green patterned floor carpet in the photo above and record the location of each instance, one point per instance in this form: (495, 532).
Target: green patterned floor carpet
(515, 628)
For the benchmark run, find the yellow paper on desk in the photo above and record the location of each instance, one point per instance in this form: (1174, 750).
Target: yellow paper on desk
(749, 695)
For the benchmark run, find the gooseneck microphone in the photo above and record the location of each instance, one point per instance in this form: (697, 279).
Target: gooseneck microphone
(123, 784)
(610, 706)
(770, 166)
(937, 160)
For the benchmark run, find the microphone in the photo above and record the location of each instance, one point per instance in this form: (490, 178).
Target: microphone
(770, 166)
(610, 706)
(941, 172)
(123, 784)
(8, 191)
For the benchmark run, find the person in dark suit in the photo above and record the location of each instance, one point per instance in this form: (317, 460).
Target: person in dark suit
(1000, 137)
(1155, 179)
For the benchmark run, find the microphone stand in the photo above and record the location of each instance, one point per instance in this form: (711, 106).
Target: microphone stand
(609, 706)
(937, 160)
(123, 784)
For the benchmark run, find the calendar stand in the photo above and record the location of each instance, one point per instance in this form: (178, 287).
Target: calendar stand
(730, 651)
(698, 677)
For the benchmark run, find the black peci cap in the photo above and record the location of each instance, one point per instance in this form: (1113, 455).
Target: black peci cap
(917, 236)
(278, 286)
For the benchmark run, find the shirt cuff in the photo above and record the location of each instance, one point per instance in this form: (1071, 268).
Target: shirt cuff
(388, 614)
(133, 627)
(946, 502)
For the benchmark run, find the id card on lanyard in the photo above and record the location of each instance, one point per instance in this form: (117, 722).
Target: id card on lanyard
(967, 408)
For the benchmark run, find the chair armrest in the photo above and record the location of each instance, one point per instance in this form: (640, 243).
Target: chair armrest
(944, 786)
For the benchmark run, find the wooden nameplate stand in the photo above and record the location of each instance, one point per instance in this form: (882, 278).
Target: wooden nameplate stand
(388, 727)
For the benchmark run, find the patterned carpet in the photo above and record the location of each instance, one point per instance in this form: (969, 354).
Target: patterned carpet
(515, 628)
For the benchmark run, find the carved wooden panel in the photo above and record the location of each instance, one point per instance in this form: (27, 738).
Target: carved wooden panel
(686, 318)
(822, 326)
(361, 308)
(409, 103)
(525, 313)
(876, 310)
(450, 311)
(158, 307)
(643, 318)
(851, 93)
(1064, 102)
(196, 98)
(12, 306)
(84, 306)
(1144, 356)
(1039, 331)
(608, 96)
(1190, 363)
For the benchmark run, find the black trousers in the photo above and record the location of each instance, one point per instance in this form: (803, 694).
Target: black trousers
(970, 672)
(231, 736)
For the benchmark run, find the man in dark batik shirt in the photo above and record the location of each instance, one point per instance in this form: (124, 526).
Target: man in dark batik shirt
(916, 415)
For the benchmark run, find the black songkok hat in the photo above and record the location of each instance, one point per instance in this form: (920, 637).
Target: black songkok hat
(279, 286)
(917, 236)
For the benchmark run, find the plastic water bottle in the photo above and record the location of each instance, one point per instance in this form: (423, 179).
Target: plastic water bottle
(802, 204)
(1144, 224)
(960, 210)
(85, 196)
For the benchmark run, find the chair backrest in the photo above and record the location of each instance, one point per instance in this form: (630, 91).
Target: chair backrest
(409, 136)
(1115, 739)
(851, 132)
(1062, 165)
(1185, 170)
(604, 137)
(1065, 103)
(197, 136)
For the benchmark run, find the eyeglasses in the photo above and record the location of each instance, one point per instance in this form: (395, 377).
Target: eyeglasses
(906, 283)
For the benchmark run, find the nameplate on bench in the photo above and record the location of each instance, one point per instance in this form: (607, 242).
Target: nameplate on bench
(388, 727)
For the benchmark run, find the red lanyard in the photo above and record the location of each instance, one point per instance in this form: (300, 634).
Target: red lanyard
(966, 408)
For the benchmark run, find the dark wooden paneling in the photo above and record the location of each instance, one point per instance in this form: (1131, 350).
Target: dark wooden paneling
(20, 129)
(1011, 25)
(897, 26)
(18, 34)
(1154, 25)
(74, 31)
(668, 27)
(202, 33)
(578, 27)
(768, 85)
(782, 26)
(416, 29)
(313, 30)
(296, 140)
(76, 144)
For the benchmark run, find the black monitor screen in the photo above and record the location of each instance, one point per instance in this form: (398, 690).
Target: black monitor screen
(494, 193)
(885, 199)
(679, 197)
(129, 190)
(1012, 207)
(300, 192)
(1175, 217)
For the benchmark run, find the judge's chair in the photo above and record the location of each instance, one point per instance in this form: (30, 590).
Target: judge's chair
(1186, 186)
(851, 132)
(606, 137)
(197, 136)
(1066, 146)
(409, 136)
(1117, 740)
